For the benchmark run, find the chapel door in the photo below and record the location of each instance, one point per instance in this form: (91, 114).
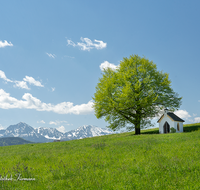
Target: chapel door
(166, 127)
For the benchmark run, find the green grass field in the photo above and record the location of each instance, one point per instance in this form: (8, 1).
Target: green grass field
(119, 161)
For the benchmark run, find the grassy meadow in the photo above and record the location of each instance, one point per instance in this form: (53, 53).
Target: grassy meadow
(119, 161)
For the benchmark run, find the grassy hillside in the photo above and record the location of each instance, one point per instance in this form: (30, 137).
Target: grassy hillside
(191, 127)
(6, 141)
(119, 161)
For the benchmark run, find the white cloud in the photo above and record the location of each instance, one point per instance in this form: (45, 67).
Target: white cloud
(3, 76)
(31, 80)
(61, 129)
(42, 121)
(53, 89)
(30, 102)
(23, 83)
(51, 55)
(106, 65)
(58, 122)
(182, 114)
(87, 44)
(83, 108)
(52, 123)
(70, 42)
(197, 119)
(1, 127)
(5, 43)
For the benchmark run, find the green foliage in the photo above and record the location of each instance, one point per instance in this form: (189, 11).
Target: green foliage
(191, 127)
(150, 131)
(133, 93)
(172, 130)
(119, 161)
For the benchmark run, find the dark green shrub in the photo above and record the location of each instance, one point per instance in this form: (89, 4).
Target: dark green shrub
(172, 130)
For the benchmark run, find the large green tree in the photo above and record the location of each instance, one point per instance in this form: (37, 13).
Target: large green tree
(133, 93)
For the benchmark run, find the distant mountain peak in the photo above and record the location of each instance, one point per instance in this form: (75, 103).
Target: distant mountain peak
(85, 131)
(22, 122)
(42, 134)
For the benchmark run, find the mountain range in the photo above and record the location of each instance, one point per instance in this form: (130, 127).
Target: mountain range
(42, 135)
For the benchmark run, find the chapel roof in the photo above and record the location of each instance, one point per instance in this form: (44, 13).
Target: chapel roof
(172, 116)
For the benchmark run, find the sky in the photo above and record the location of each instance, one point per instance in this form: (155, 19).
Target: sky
(52, 54)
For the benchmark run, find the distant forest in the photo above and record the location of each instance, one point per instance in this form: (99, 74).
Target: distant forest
(6, 141)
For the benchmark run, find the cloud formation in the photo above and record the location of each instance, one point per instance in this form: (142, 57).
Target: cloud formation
(23, 83)
(197, 119)
(87, 44)
(42, 121)
(30, 102)
(61, 129)
(3, 76)
(32, 81)
(51, 55)
(1, 127)
(182, 114)
(52, 123)
(57, 122)
(106, 65)
(5, 43)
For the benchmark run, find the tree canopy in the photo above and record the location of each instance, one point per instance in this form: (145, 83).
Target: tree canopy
(133, 93)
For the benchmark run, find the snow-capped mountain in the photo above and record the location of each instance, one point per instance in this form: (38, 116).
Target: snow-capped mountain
(24, 131)
(50, 134)
(85, 131)
(2, 131)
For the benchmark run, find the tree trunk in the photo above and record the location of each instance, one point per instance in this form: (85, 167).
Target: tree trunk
(137, 128)
(137, 122)
(137, 131)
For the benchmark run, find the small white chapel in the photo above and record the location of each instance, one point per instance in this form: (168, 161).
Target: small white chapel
(169, 120)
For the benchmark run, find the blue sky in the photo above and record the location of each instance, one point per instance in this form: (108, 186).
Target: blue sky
(51, 53)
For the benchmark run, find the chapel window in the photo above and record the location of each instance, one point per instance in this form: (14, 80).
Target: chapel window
(178, 128)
